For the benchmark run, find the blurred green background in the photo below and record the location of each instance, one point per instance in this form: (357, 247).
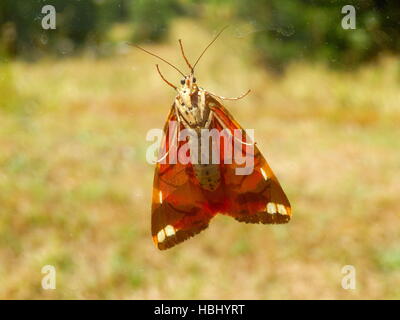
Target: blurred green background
(75, 107)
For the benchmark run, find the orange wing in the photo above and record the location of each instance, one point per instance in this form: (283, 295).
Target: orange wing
(179, 208)
(254, 198)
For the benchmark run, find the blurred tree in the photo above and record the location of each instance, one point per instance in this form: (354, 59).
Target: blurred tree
(300, 29)
(151, 17)
(77, 23)
(284, 29)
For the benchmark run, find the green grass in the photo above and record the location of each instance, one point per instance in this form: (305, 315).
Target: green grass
(75, 188)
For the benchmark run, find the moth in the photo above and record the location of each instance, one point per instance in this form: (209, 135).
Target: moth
(186, 196)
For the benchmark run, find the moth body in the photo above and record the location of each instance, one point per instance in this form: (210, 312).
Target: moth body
(196, 115)
(182, 206)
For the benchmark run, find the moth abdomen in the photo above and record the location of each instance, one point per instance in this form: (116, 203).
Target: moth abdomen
(208, 175)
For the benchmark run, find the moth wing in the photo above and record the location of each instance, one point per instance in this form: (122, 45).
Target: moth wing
(179, 208)
(256, 197)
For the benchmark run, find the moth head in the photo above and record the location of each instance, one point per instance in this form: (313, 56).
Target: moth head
(188, 84)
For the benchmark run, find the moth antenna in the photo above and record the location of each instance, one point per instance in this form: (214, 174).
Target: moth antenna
(154, 55)
(236, 98)
(215, 38)
(162, 77)
(184, 56)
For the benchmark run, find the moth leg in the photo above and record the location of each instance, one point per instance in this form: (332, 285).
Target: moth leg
(181, 120)
(229, 131)
(177, 112)
(175, 132)
(208, 122)
(225, 98)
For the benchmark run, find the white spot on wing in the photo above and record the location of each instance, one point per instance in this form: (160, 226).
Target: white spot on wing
(169, 230)
(161, 236)
(160, 196)
(282, 209)
(271, 208)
